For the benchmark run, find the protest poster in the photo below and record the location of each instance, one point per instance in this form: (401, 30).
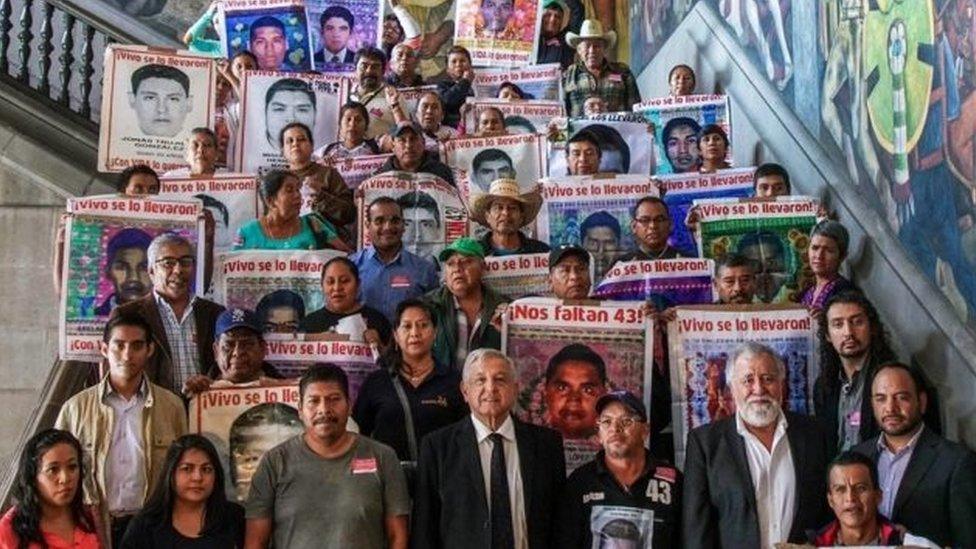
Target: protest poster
(500, 33)
(232, 199)
(665, 282)
(152, 98)
(530, 116)
(677, 121)
(281, 286)
(703, 337)
(558, 349)
(536, 81)
(772, 233)
(681, 190)
(339, 28)
(292, 354)
(434, 215)
(243, 423)
(275, 31)
(436, 21)
(272, 100)
(518, 275)
(356, 169)
(486, 159)
(592, 212)
(106, 262)
(626, 142)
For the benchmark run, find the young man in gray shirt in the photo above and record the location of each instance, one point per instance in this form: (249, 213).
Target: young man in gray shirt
(328, 487)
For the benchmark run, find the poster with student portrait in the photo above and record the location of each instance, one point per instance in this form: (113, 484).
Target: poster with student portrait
(587, 350)
(243, 423)
(677, 121)
(151, 100)
(536, 81)
(528, 116)
(339, 29)
(518, 275)
(232, 200)
(626, 141)
(592, 212)
(772, 233)
(681, 190)
(486, 159)
(703, 337)
(292, 354)
(498, 33)
(272, 100)
(434, 215)
(275, 31)
(281, 286)
(106, 261)
(356, 169)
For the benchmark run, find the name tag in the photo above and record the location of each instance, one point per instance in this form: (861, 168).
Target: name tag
(400, 281)
(377, 113)
(363, 466)
(664, 473)
(854, 419)
(593, 496)
(615, 78)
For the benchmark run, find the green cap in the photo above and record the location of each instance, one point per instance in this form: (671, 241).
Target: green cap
(464, 246)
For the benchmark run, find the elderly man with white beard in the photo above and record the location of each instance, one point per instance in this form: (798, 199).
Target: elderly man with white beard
(756, 479)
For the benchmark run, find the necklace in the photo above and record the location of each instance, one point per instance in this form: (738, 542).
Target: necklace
(278, 232)
(416, 378)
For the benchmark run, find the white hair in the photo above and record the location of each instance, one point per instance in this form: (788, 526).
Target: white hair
(752, 349)
(165, 239)
(477, 357)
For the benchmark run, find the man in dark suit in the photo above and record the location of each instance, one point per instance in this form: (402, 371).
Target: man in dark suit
(489, 480)
(755, 479)
(182, 323)
(928, 483)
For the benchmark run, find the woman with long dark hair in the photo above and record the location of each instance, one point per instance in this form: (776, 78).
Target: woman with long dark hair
(188, 509)
(50, 512)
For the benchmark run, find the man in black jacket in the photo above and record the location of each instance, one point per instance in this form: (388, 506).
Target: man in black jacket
(409, 154)
(755, 479)
(489, 480)
(928, 483)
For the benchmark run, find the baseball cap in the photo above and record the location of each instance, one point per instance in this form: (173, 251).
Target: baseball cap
(237, 318)
(628, 399)
(558, 253)
(397, 130)
(464, 246)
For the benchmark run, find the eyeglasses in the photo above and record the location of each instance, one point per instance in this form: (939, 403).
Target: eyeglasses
(186, 262)
(625, 423)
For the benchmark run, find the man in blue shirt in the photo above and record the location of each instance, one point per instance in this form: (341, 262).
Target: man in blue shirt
(388, 272)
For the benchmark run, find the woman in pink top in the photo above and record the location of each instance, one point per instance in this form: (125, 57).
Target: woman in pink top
(49, 510)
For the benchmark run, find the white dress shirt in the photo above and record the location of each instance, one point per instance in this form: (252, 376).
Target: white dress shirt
(774, 479)
(125, 474)
(485, 446)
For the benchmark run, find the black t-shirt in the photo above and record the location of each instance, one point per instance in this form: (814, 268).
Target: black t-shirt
(436, 403)
(148, 532)
(595, 502)
(324, 320)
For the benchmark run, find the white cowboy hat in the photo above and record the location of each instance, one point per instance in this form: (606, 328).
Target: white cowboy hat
(591, 29)
(531, 202)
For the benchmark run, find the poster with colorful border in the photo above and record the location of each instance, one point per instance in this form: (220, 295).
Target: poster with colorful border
(275, 31)
(677, 121)
(498, 33)
(681, 190)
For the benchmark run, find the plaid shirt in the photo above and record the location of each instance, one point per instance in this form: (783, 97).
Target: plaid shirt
(616, 86)
(182, 337)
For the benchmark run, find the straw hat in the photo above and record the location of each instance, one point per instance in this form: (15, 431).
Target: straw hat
(506, 188)
(591, 29)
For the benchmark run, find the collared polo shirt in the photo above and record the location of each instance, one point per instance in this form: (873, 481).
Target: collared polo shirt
(383, 286)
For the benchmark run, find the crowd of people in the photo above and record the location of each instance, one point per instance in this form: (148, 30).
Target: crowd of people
(430, 454)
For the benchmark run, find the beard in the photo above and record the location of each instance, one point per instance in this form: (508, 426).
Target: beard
(759, 412)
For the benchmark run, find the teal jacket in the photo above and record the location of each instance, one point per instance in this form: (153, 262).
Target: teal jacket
(445, 344)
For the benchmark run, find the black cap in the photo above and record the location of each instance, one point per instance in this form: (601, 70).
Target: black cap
(558, 253)
(628, 399)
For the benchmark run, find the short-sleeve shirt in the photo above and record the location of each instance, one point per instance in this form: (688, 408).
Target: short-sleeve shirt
(595, 503)
(339, 502)
(81, 540)
(252, 237)
(324, 320)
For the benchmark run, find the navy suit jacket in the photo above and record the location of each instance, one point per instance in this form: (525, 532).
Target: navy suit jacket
(451, 507)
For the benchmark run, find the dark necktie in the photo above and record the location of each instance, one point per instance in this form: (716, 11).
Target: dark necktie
(335, 58)
(502, 534)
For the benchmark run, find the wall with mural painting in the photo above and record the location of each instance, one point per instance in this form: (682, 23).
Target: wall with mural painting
(889, 87)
